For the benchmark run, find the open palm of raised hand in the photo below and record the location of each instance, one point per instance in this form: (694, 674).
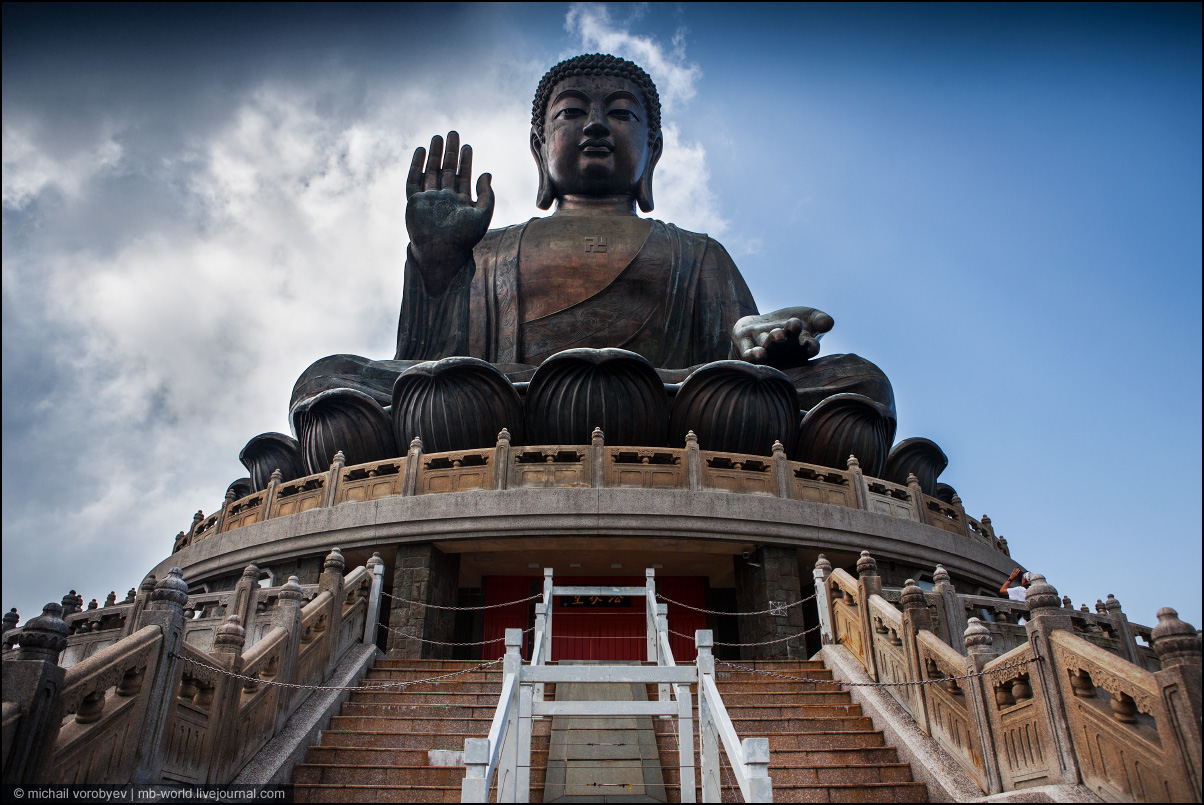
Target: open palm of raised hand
(784, 338)
(443, 221)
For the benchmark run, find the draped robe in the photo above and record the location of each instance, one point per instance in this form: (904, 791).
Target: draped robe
(675, 303)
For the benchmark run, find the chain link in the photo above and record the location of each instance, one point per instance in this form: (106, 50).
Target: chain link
(1016, 664)
(461, 609)
(441, 643)
(762, 643)
(374, 686)
(780, 610)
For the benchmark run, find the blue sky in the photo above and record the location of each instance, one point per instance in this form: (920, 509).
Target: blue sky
(999, 205)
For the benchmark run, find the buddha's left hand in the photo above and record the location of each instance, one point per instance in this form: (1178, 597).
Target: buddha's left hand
(784, 338)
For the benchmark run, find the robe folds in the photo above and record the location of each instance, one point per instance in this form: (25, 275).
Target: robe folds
(675, 304)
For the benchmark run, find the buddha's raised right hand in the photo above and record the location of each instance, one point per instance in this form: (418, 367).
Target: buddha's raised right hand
(443, 221)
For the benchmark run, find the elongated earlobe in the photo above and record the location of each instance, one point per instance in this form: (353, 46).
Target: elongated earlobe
(546, 193)
(643, 193)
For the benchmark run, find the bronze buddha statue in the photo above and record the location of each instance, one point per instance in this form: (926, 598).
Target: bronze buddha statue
(592, 276)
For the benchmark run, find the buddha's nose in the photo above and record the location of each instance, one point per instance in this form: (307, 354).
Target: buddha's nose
(596, 125)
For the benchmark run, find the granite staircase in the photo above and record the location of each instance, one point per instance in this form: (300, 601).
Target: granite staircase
(821, 747)
(406, 746)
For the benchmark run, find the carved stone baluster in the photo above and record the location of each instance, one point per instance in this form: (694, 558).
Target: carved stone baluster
(823, 598)
(868, 583)
(860, 489)
(1124, 634)
(413, 459)
(332, 580)
(287, 615)
(949, 609)
(333, 478)
(693, 462)
(916, 617)
(781, 470)
(220, 526)
(1177, 645)
(597, 446)
(1045, 614)
(501, 460)
(917, 498)
(32, 680)
(165, 609)
(220, 748)
(980, 651)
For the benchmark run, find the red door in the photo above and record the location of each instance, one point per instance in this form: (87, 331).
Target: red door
(600, 629)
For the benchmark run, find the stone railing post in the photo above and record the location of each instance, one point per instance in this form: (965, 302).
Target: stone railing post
(1045, 614)
(597, 458)
(376, 566)
(228, 645)
(287, 615)
(501, 460)
(693, 462)
(949, 607)
(333, 478)
(917, 497)
(1124, 634)
(269, 495)
(220, 526)
(823, 599)
(979, 651)
(140, 599)
(242, 601)
(860, 490)
(409, 485)
(32, 681)
(781, 470)
(916, 617)
(956, 503)
(165, 610)
(332, 580)
(1178, 647)
(868, 583)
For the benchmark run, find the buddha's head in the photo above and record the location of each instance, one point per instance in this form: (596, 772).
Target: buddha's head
(596, 130)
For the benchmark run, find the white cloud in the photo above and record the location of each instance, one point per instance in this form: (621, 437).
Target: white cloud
(29, 170)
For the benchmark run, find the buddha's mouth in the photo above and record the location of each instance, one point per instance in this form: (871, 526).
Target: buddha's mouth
(597, 146)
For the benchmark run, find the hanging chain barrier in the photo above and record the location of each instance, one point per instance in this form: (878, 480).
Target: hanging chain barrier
(777, 610)
(762, 643)
(442, 643)
(1016, 664)
(462, 609)
(367, 686)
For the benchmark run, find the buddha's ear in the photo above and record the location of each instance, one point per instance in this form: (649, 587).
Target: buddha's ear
(643, 193)
(546, 193)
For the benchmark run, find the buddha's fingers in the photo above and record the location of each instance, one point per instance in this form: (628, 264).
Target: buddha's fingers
(819, 322)
(464, 177)
(447, 176)
(434, 163)
(485, 195)
(414, 180)
(794, 326)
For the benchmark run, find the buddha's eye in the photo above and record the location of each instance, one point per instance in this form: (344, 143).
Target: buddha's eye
(623, 114)
(570, 112)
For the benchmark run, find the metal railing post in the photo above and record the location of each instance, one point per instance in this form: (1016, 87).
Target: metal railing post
(708, 737)
(377, 566)
(541, 639)
(662, 630)
(547, 600)
(509, 761)
(650, 612)
(475, 788)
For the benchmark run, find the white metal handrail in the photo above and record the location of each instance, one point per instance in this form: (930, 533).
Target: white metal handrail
(507, 750)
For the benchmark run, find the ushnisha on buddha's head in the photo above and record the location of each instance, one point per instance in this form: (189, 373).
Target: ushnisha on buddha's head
(596, 131)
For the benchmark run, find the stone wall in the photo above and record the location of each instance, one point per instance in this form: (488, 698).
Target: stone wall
(766, 579)
(422, 574)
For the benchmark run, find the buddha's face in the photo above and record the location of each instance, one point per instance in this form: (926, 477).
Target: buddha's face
(595, 136)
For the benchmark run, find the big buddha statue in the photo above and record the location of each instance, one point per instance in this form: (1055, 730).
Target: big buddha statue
(593, 316)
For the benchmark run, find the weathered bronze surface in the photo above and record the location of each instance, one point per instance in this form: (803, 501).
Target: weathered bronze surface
(454, 404)
(268, 452)
(593, 274)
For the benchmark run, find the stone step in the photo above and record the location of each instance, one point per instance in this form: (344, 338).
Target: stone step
(339, 792)
(795, 710)
(491, 688)
(830, 775)
(389, 775)
(445, 697)
(389, 740)
(864, 792)
(848, 756)
(419, 710)
(756, 726)
(460, 726)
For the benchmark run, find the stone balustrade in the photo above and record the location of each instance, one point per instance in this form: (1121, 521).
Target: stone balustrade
(591, 466)
(1077, 700)
(152, 707)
